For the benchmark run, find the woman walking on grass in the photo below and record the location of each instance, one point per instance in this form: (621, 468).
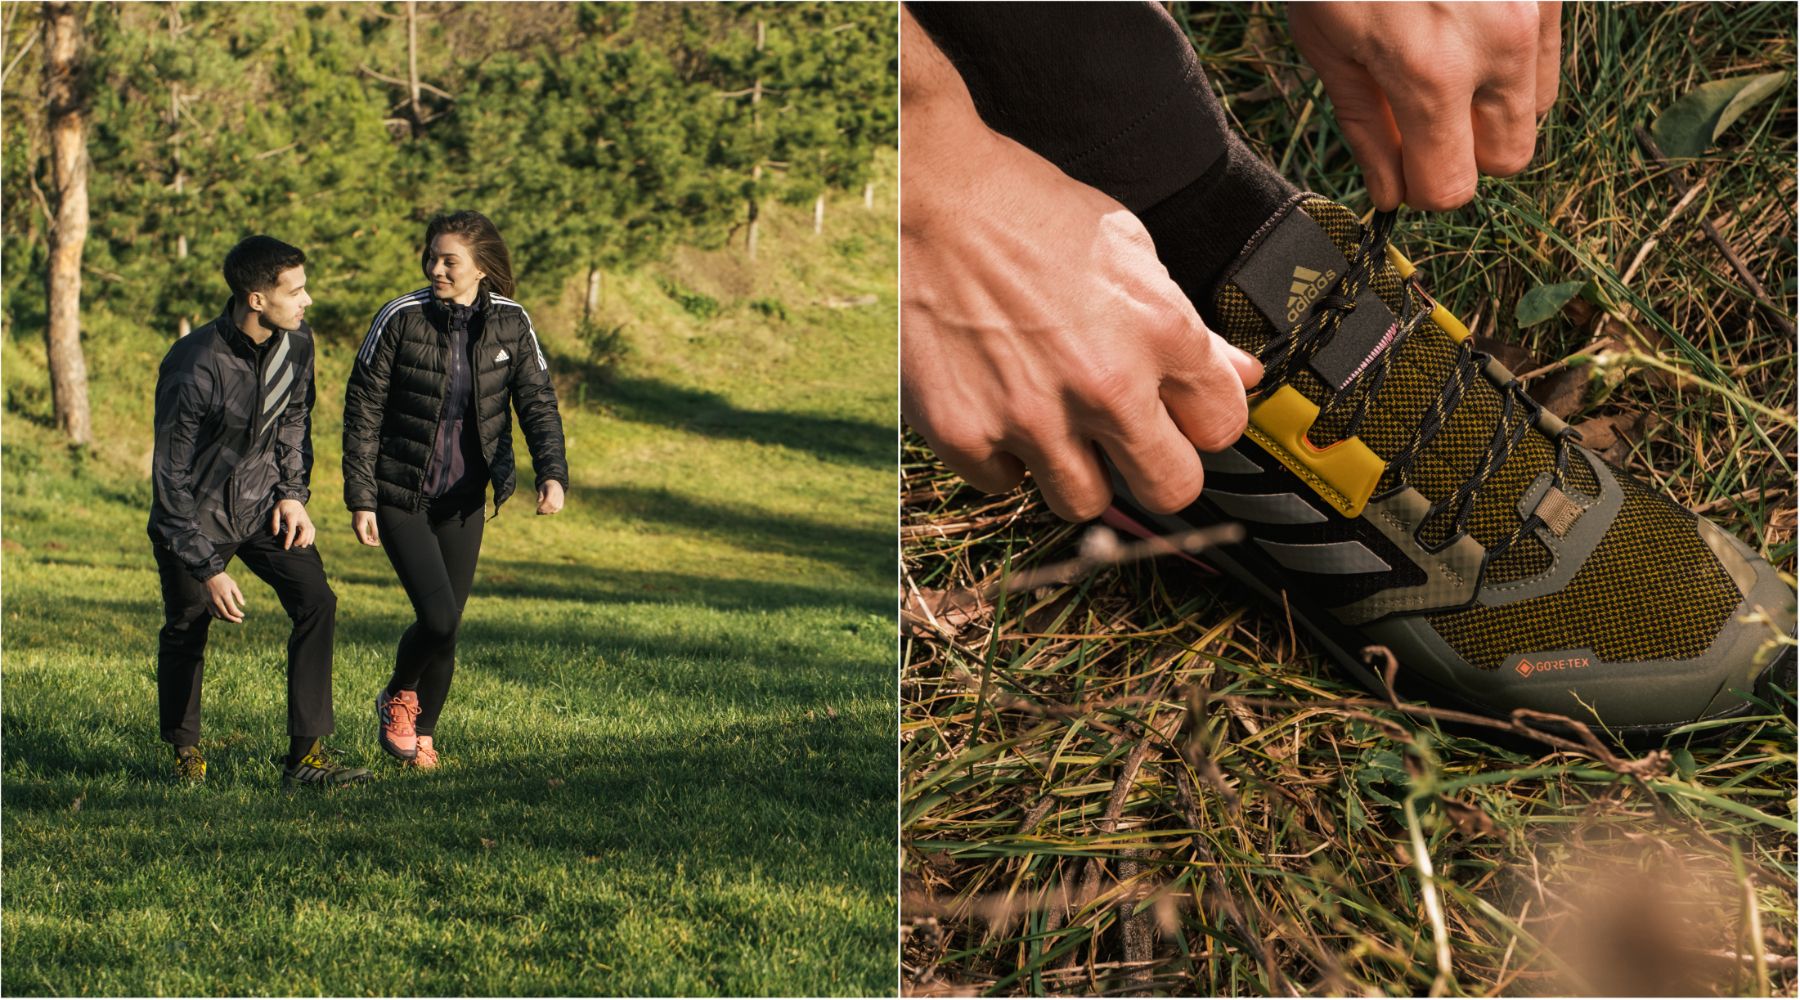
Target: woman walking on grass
(426, 430)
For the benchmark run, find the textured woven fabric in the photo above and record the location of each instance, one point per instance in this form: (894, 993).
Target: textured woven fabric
(1414, 384)
(1651, 591)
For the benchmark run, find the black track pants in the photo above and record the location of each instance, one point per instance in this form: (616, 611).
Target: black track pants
(298, 576)
(434, 552)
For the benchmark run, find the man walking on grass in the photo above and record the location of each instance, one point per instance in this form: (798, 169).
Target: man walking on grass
(232, 466)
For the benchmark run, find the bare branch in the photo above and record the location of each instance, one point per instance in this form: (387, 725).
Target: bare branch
(396, 81)
(29, 42)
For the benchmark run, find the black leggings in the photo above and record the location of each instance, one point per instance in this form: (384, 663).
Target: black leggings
(434, 552)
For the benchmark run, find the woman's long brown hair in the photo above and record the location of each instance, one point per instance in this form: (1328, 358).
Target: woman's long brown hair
(484, 242)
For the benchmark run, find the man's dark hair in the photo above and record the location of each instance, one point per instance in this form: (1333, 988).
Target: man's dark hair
(256, 263)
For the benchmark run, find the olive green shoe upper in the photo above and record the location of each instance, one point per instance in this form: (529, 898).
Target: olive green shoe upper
(190, 767)
(1403, 491)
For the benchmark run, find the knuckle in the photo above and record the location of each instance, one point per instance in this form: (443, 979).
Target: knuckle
(1086, 503)
(959, 441)
(1223, 430)
(1170, 493)
(1103, 388)
(1515, 26)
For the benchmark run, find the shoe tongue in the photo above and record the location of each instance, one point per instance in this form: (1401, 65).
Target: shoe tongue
(1288, 267)
(1253, 305)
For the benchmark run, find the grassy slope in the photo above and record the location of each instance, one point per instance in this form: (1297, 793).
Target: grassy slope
(669, 748)
(1284, 833)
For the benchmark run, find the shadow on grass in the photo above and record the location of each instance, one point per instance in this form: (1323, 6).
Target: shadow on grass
(743, 526)
(652, 401)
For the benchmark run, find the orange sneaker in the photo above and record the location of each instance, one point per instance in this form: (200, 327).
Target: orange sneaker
(394, 716)
(426, 758)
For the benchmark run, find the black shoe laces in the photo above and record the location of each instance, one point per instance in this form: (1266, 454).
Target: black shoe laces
(1289, 353)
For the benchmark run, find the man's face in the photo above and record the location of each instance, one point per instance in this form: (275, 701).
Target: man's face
(283, 306)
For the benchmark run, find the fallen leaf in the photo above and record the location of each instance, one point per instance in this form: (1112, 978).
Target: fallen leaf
(1562, 393)
(9, 545)
(554, 782)
(1697, 119)
(1613, 436)
(487, 843)
(1469, 819)
(55, 546)
(950, 609)
(1544, 302)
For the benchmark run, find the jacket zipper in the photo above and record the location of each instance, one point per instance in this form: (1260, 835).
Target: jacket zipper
(443, 401)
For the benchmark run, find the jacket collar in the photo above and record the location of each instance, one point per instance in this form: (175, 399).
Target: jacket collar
(236, 338)
(483, 302)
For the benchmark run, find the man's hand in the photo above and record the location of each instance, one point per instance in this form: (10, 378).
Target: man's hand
(1430, 94)
(1037, 321)
(362, 522)
(291, 515)
(224, 597)
(550, 497)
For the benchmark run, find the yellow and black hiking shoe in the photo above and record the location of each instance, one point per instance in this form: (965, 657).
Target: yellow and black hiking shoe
(1403, 491)
(190, 767)
(314, 768)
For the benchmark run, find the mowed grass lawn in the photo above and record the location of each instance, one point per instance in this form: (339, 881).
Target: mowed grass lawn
(669, 751)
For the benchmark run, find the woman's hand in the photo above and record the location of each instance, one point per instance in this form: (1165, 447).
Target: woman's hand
(363, 523)
(550, 497)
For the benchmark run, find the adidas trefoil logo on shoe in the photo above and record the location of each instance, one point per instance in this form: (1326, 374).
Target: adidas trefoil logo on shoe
(1307, 285)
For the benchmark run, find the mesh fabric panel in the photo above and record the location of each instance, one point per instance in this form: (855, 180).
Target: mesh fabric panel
(1415, 380)
(1651, 590)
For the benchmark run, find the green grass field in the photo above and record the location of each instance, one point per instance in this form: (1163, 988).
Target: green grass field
(1073, 824)
(668, 753)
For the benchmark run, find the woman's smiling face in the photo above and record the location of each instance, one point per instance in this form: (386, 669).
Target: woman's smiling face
(451, 268)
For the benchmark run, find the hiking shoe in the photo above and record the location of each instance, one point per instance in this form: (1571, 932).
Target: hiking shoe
(318, 770)
(427, 757)
(394, 718)
(1403, 491)
(190, 767)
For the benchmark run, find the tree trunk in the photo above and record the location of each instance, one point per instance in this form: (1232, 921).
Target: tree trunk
(819, 214)
(412, 61)
(592, 305)
(183, 325)
(755, 127)
(869, 197)
(69, 165)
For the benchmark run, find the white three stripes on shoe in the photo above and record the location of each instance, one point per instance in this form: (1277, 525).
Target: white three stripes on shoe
(1267, 508)
(1328, 558)
(1230, 462)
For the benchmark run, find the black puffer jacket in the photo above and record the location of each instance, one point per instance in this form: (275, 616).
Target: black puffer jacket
(233, 437)
(396, 395)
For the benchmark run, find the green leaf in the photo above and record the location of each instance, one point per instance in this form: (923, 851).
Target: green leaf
(1699, 117)
(1544, 302)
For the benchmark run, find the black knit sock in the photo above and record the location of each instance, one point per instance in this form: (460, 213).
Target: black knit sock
(298, 747)
(1201, 229)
